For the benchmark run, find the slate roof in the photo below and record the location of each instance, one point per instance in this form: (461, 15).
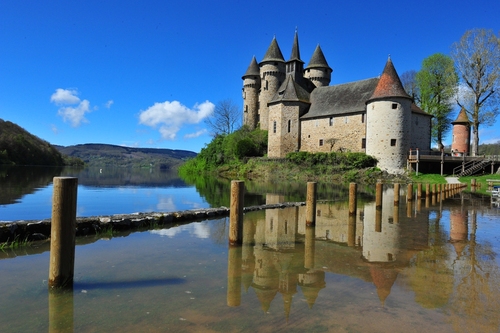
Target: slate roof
(253, 69)
(295, 49)
(416, 109)
(318, 59)
(389, 84)
(340, 99)
(273, 53)
(290, 91)
(462, 118)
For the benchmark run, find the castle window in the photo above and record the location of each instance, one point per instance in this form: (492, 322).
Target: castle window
(274, 126)
(320, 142)
(289, 125)
(318, 213)
(393, 142)
(363, 143)
(286, 227)
(394, 106)
(246, 108)
(331, 121)
(362, 118)
(267, 85)
(271, 224)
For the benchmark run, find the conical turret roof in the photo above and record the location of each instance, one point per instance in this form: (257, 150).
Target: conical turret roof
(253, 69)
(318, 59)
(462, 117)
(295, 56)
(389, 84)
(273, 52)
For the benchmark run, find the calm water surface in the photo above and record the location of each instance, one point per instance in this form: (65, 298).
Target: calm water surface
(427, 266)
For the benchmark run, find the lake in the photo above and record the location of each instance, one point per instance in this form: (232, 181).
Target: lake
(428, 265)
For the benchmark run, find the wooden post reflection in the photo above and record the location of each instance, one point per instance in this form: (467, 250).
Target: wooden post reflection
(236, 212)
(311, 203)
(61, 312)
(395, 214)
(309, 247)
(351, 230)
(234, 275)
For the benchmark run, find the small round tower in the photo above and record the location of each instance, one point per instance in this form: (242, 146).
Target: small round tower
(318, 70)
(388, 126)
(272, 75)
(251, 87)
(461, 134)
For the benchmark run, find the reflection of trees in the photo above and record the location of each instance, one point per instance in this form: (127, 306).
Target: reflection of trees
(474, 307)
(17, 181)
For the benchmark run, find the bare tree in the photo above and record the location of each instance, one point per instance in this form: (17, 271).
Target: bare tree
(225, 119)
(477, 58)
(409, 81)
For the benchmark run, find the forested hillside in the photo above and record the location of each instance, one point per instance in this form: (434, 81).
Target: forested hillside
(18, 147)
(100, 155)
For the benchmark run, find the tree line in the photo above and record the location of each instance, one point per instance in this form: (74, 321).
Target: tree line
(468, 78)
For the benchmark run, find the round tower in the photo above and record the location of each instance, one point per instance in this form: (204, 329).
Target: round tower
(318, 70)
(388, 125)
(272, 75)
(461, 134)
(251, 87)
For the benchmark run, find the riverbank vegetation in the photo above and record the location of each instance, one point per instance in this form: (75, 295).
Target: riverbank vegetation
(241, 154)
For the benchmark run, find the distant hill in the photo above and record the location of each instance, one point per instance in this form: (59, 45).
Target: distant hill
(19, 147)
(100, 155)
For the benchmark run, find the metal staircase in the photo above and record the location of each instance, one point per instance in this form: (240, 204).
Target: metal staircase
(471, 167)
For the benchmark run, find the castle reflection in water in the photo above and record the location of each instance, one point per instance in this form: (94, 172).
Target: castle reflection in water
(427, 248)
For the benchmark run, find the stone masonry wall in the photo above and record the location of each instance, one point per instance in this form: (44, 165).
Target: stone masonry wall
(420, 132)
(346, 131)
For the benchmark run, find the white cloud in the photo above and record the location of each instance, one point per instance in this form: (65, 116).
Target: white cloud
(72, 114)
(196, 134)
(65, 96)
(54, 129)
(75, 115)
(108, 104)
(171, 116)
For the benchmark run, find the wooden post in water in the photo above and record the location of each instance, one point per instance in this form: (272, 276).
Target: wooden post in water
(236, 212)
(427, 190)
(311, 203)
(419, 191)
(378, 195)
(396, 194)
(409, 193)
(353, 201)
(62, 233)
(473, 185)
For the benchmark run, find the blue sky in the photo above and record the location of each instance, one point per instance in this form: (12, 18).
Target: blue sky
(147, 73)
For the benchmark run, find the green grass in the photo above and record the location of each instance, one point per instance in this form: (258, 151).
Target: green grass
(14, 244)
(481, 182)
(428, 178)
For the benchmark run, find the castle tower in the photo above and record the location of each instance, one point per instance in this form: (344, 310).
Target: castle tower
(295, 66)
(318, 70)
(289, 104)
(461, 134)
(272, 74)
(388, 125)
(251, 87)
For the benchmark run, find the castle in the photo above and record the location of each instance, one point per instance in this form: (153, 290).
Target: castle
(302, 112)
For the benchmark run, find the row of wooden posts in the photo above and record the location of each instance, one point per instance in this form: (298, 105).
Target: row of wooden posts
(237, 194)
(63, 225)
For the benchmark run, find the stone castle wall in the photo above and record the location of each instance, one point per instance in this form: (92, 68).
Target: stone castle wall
(344, 132)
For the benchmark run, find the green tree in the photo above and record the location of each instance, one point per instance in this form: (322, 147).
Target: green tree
(437, 83)
(477, 58)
